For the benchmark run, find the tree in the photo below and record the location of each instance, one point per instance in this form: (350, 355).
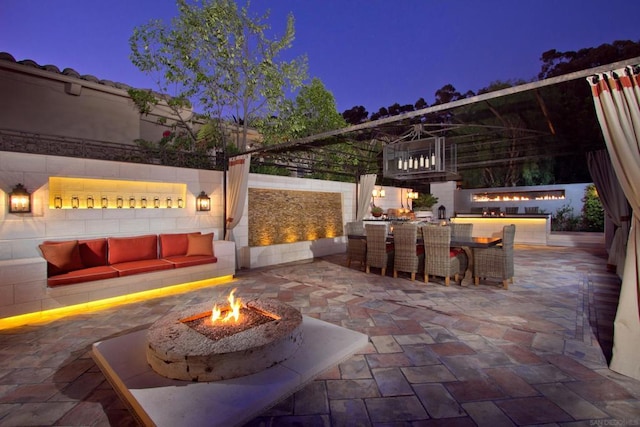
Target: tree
(356, 115)
(219, 57)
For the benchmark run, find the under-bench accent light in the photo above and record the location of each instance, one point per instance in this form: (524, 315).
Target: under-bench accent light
(203, 202)
(19, 200)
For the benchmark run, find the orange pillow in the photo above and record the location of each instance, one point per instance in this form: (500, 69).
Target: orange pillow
(200, 244)
(62, 257)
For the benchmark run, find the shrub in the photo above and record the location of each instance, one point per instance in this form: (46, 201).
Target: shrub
(592, 211)
(565, 220)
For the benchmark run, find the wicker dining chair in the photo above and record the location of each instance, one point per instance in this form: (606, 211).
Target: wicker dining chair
(379, 252)
(356, 247)
(462, 232)
(407, 253)
(496, 262)
(438, 258)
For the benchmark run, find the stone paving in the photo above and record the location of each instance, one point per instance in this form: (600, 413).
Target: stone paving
(535, 354)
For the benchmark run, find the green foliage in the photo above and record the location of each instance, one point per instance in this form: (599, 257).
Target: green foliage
(425, 201)
(565, 220)
(219, 56)
(592, 210)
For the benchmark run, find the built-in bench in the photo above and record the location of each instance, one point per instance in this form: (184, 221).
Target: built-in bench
(81, 271)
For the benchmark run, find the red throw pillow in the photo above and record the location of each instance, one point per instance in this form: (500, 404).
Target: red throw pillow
(201, 244)
(62, 257)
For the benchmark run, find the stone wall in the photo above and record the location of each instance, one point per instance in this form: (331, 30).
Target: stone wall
(286, 216)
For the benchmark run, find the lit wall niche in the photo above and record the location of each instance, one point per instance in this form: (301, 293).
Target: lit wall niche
(89, 193)
(518, 196)
(286, 216)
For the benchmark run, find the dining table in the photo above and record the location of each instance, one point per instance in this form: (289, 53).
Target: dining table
(459, 242)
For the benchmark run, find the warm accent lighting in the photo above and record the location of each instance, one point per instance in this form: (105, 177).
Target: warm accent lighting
(180, 203)
(378, 193)
(156, 202)
(58, 313)
(203, 202)
(19, 200)
(169, 202)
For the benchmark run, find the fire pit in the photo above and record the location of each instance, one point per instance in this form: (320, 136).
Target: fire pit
(227, 341)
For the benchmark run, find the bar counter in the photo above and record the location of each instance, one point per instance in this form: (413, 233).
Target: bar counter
(531, 229)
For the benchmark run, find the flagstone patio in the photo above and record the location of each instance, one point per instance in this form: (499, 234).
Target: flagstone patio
(463, 356)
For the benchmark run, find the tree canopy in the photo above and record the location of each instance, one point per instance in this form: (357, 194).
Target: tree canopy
(219, 57)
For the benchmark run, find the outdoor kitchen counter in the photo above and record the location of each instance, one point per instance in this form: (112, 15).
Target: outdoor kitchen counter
(531, 229)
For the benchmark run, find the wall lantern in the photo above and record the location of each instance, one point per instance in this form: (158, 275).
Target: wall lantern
(180, 203)
(57, 202)
(143, 202)
(90, 202)
(377, 193)
(104, 202)
(119, 202)
(19, 200)
(203, 202)
(75, 202)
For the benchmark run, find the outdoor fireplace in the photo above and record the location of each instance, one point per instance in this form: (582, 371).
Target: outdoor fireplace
(223, 340)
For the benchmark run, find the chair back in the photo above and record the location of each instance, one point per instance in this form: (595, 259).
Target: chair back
(508, 237)
(461, 231)
(437, 242)
(510, 210)
(405, 239)
(355, 228)
(377, 245)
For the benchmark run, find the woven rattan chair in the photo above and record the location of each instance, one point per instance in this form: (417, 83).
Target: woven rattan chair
(356, 247)
(511, 210)
(438, 258)
(462, 232)
(407, 252)
(496, 262)
(379, 252)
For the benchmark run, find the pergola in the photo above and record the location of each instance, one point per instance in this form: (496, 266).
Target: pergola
(491, 130)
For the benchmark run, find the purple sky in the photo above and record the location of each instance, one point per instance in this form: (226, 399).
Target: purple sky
(366, 52)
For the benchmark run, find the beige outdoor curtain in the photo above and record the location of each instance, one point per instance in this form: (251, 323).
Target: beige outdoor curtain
(614, 203)
(616, 96)
(238, 179)
(367, 182)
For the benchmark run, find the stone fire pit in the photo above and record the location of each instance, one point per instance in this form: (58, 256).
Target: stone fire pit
(175, 349)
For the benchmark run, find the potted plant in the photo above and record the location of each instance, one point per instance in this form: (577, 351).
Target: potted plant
(376, 211)
(423, 205)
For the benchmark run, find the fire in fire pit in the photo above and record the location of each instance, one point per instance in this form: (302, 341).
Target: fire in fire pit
(227, 341)
(223, 322)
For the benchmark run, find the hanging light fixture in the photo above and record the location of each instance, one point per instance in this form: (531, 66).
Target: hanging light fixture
(19, 200)
(203, 202)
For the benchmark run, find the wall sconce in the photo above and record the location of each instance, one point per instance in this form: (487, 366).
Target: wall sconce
(377, 193)
(143, 203)
(75, 202)
(19, 200)
(203, 202)
(89, 202)
(169, 202)
(119, 202)
(156, 202)
(57, 202)
(104, 202)
(180, 203)
(132, 202)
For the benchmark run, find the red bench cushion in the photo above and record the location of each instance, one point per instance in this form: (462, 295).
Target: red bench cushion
(200, 245)
(61, 257)
(93, 252)
(174, 244)
(83, 275)
(144, 266)
(127, 249)
(188, 261)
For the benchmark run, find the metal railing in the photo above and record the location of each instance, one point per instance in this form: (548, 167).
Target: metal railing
(53, 145)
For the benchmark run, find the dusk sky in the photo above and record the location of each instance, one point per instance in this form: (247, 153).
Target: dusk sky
(372, 53)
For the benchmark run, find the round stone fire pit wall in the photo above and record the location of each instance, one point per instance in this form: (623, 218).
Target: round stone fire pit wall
(175, 350)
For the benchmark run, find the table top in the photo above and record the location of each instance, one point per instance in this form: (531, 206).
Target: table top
(475, 242)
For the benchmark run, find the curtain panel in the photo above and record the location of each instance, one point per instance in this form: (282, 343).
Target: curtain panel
(367, 183)
(616, 97)
(236, 191)
(615, 205)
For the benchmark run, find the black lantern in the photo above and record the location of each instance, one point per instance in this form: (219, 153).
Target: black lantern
(19, 200)
(442, 212)
(203, 202)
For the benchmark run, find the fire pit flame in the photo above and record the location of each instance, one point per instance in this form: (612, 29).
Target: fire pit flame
(233, 312)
